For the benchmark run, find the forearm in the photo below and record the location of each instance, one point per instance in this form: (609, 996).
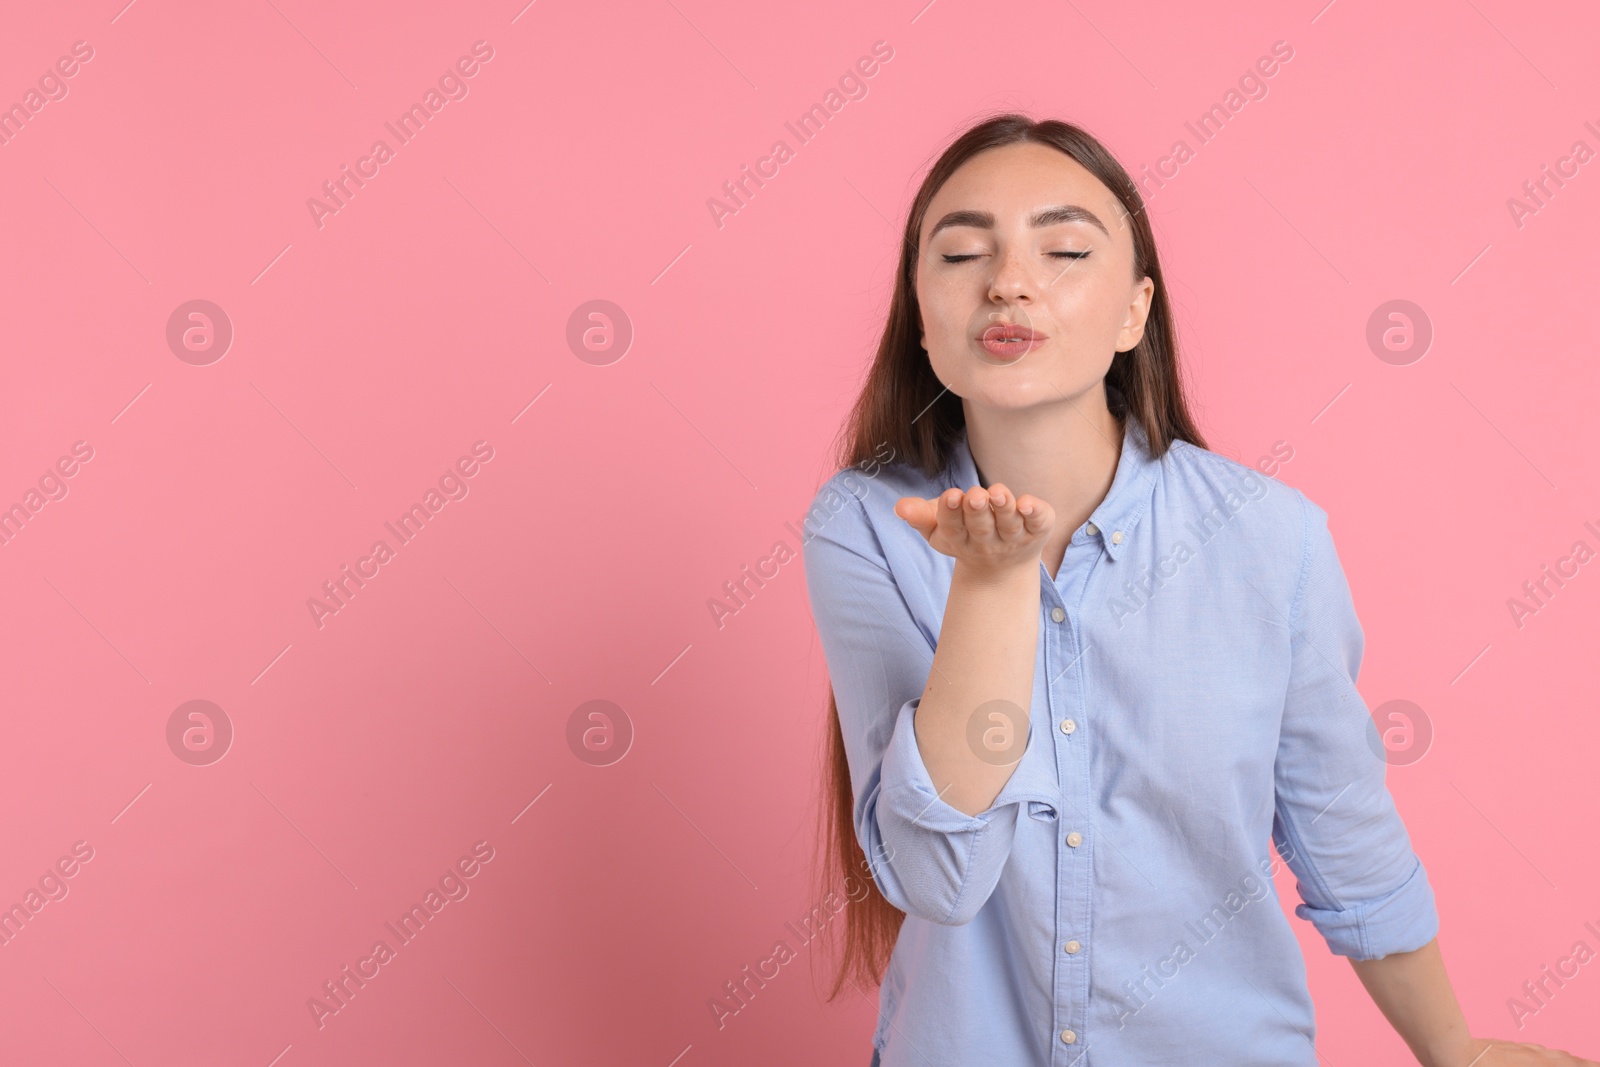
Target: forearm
(1414, 993)
(986, 650)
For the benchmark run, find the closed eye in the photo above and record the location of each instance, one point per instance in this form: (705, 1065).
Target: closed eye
(1059, 255)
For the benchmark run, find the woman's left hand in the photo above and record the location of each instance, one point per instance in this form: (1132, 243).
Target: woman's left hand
(1486, 1053)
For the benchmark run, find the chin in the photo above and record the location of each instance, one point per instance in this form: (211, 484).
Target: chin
(1019, 393)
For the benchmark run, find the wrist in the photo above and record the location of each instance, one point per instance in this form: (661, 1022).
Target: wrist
(1457, 1049)
(997, 576)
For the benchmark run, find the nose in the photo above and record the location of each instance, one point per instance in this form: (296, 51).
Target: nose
(1011, 281)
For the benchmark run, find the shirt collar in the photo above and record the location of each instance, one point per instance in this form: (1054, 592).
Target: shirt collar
(1116, 517)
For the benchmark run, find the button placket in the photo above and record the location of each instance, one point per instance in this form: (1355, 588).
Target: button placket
(1064, 685)
(1072, 918)
(1059, 689)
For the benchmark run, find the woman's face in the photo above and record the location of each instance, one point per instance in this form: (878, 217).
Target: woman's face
(988, 260)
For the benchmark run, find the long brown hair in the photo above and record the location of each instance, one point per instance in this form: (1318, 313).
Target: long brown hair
(902, 404)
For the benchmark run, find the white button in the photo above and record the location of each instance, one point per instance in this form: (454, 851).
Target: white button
(1072, 948)
(1093, 528)
(1074, 839)
(1068, 1036)
(1116, 538)
(1057, 614)
(1067, 726)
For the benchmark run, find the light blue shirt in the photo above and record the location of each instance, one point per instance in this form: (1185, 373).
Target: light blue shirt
(1193, 699)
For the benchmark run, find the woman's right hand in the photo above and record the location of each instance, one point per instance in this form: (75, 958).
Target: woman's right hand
(988, 529)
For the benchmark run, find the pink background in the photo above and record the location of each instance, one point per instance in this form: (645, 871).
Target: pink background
(432, 711)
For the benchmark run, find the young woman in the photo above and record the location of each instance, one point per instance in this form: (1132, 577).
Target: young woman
(1084, 669)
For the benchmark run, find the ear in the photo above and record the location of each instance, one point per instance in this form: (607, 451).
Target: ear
(1132, 331)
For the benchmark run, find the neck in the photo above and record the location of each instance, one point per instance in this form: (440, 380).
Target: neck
(1064, 453)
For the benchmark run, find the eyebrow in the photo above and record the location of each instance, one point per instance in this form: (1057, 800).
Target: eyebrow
(1050, 216)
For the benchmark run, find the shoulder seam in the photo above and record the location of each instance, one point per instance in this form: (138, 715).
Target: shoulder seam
(1305, 561)
(1206, 454)
(882, 563)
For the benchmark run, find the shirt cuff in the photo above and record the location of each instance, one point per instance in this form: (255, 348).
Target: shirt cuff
(1402, 921)
(905, 777)
(945, 862)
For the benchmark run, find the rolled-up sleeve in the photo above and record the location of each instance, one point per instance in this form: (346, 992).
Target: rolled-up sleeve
(931, 859)
(1362, 885)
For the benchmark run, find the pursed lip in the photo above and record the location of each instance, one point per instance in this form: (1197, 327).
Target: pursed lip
(1006, 331)
(1008, 342)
